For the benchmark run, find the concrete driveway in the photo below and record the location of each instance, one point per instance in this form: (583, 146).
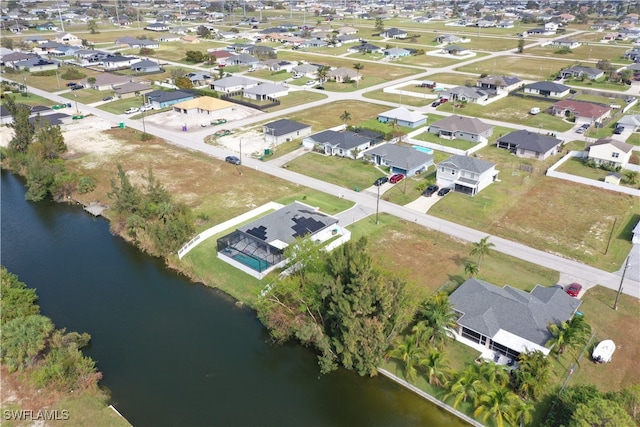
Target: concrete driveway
(423, 203)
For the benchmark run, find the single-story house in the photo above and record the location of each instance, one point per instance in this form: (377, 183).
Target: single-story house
(396, 52)
(157, 26)
(199, 78)
(276, 65)
(468, 175)
(233, 84)
(584, 112)
(365, 47)
(118, 62)
(205, 105)
(630, 121)
(313, 43)
(499, 84)
(308, 70)
(162, 99)
(106, 81)
(568, 43)
(284, 130)
(507, 320)
(540, 32)
(524, 143)
(344, 144)
(578, 71)
(610, 152)
(345, 38)
(54, 119)
(448, 39)
(344, 75)
(69, 39)
(37, 64)
(265, 91)
(403, 117)
(221, 56)
(346, 30)
(399, 158)
(454, 50)
(129, 90)
(394, 33)
(550, 89)
(242, 59)
(467, 94)
(258, 247)
(146, 66)
(10, 59)
(465, 128)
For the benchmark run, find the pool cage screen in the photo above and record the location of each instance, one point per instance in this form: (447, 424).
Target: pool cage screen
(250, 251)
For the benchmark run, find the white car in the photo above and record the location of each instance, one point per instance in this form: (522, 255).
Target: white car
(311, 83)
(131, 110)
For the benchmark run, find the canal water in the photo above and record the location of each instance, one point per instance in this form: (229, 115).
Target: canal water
(175, 353)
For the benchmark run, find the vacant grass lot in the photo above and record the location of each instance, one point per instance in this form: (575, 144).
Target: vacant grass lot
(548, 214)
(590, 52)
(340, 171)
(326, 116)
(513, 109)
(575, 166)
(600, 84)
(407, 101)
(523, 67)
(457, 79)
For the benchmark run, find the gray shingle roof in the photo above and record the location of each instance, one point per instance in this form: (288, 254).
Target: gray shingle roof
(466, 163)
(284, 127)
(547, 86)
(463, 124)
(401, 156)
(294, 220)
(487, 308)
(345, 140)
(530, 141)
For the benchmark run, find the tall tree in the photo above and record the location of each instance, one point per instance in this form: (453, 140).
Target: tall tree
(358, 67)
(471, 268)
(92, 26)
(533, 374)
(466, 384)
(17, 300)
(127, 198)
(438, 314)
(322, 73)
(499, 403)
(435, 365)
(600, 412)
(570, 334)
(49, 139)
(482, 248)
(520, 45)
(379, 25)
(23, 130)
(410, 354)
(23, 338)
(345, 116)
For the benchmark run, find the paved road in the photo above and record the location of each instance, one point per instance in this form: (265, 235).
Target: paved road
(366, 202)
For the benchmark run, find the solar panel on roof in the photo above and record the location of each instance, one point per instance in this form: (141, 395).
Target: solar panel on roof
(259, 232)
(304, 226)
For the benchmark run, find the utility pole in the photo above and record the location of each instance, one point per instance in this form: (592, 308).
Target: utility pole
(626, 265)
(378, 204)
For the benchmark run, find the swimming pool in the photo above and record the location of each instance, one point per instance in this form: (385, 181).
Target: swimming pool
(254, 263)
(423, 149)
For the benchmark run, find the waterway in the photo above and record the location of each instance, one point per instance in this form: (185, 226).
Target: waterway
(176, 353)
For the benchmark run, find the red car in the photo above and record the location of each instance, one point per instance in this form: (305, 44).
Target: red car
(574, 289)
(396, 178)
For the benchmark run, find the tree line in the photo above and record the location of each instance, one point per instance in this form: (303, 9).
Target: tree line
(48, 357)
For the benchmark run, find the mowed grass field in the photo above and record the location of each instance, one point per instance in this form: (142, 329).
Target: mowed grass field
(549, 214)
(586, 52)
(521, 66)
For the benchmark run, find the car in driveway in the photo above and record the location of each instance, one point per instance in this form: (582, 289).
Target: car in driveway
(618, 130)
(443, 191)
(430, 191)
(396, 178)
(378, 182)
(107, 98)
(435, 103)
(131, 110)
(146, 107)
(582, 129)
(232, 159)
(574, 289)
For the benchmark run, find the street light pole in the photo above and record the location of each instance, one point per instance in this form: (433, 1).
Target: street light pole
(378, 204)
(626, 265)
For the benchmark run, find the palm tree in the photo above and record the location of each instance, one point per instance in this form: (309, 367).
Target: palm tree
(533, 374)
(438, 313)
(569, 334)
(358, 66)
(631, 177)
(345, 117)
(482, 248)
(493, 374)
(471, 268)
(422, 332)
(322, 72)
(466, 384)
(499, 403)
(435, 365)
(521, 414)
(409, 353)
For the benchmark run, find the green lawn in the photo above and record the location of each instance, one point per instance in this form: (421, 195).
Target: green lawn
(85, 96)
(336, 170)
(270, 75)
(575, 166)
(599, 84)
(456, 79)
(521, 66)
(328, 115)
(460, 144)
(410, 101)
(590, 52)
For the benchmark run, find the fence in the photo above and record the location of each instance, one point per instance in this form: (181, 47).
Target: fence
(230, 97)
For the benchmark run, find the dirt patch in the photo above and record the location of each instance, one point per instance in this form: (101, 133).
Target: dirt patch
(16, 392)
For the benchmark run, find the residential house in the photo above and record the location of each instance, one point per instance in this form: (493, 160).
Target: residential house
(37, 64)
(131, 90)
(346, 31)
(579, 71)
(403, 117)
(345, 38)
(344, 75)
(276, 65)
(233, 84)
(549, 89)
(465, 128)
(344, 144)
(243, 59)
(161, 99)
(157, 26)
(566, 43)
(583, 111)
(146, 66)
(105, 81)
(199, 78)
(265, 91)
(396, 52)
(365, 47)
(448, 39)
(258, 247)
(400, 159)
(468, 175)
(305, 70)
(68, 39)
(540, 32)
(207, 105)
(509, 321)
(284, 130)
(630, 121)
(394, 33)
(118, 62)
(524, 143)
(11, 59)
(499, 84)
(190, 39)
(221, 56)
(454, 50)
(467, 94)
(610, 152)
(313, 43)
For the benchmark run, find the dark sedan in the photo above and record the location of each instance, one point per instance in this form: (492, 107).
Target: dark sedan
(232, 159)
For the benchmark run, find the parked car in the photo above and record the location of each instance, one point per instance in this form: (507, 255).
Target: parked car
(443, 100)
(131, 110)
(574, 289)
(71, 84)
(534, 111)
(618, 130)
(107, 98)
(146, 107)
(435, 103)
(430, 191)
(396, 178)
(232, 159)
(583, 128)
(378, 182)
(77, 86)
(443, 191)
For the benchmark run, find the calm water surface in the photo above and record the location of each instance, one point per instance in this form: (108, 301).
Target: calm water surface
(174, 353)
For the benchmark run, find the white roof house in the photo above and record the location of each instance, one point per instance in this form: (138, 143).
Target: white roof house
(403, 117)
